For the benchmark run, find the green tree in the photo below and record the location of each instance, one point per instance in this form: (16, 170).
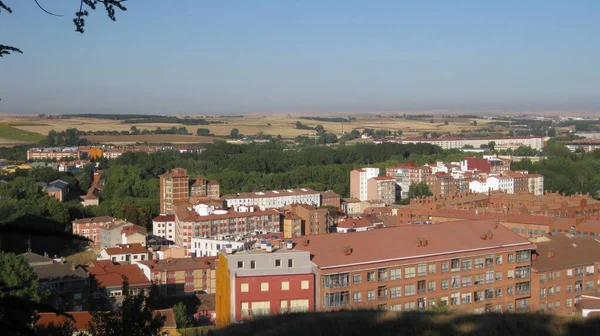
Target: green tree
(474, 122)
(203, 132)
(320, 129)
(419, 190)
(235, 133)
(135, 317)
(18, 278)
(182, 319)
(446, 122)
(431, 121)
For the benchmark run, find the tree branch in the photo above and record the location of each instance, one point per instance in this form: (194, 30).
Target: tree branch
(6, 50)
(5, 7)
(47, 12)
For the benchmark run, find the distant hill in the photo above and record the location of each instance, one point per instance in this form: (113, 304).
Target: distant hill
(367, 323)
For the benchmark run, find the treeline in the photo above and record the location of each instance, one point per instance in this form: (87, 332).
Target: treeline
(582, 125)
(148, 118)
(330, 119)
(68, 138)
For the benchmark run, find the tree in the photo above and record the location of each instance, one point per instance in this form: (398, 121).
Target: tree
(320, 129)
(474, 122)
(234, 134)
(182, 319)
(16, 273)
(203, 132)
(419, 190)
(446, 122)
(135, 317)
(431, 121)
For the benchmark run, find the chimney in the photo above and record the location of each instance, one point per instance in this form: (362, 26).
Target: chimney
(484, 235)
(423, 242)
(290, 244)
(228, 249)
(550, 253)
(305, 242)
(347, 250)
(263, 244)
(269, 248)
(534, 256)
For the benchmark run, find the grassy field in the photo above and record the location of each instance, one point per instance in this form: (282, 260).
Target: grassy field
(367, 323)
(13, 133)
(283, 125)
(149, 138)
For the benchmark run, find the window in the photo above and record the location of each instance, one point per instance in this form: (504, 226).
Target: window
(337, 299)
(240, 264)
(409, 290)
(356, 279)
(305, 284)
(489, 293)
(478, 279)
(455, 265)
(252, 264)
(244, 288)
(396, 307)
(445, 284)
(511, 258)
(432, 268)
(455, 281)
(465, 298)
(542, 293)
(569, 303)
(454, 299)
(422, 269)
(382, 292)
(522, 287)
(336, 280)
(466, 265)
(410, 306)
(396, 274)
(498, 276)
(489, 276)
(489, 260)
(395, 292)
(370, 276)
(569, 288)
(357, 296)
(382, 274)
(421, 286)
(524, 256)
(589, 285)
(290, 262)
(285, 285)
(431, 286)
(479, 262)
(589, 270)
(478, 296)
(524, 272)
(264, 286)
(557, 289)
(579, 271)
(371, 295)
(444, 267)
(499, 260)
(498, 292)
(557, 275)
(510, 306)
(277, 262)
(466, 281)
(510, 290)
(510, 274)
(409, 272)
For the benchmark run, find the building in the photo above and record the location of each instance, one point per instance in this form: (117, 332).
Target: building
(210, 247)
(358, 182)
(314, 220)
(68, 284)
(273, 199)
(174, 187)
(181, 276)
(202, 187)
(474, 266)
(510, 182)
(79, 320)
(451, 142)
(160, 252)
(330, 199)
(92, 197)
(108, 281)
(163, 226)
(111, 233)
(52, 153)
(382, 188)
(58, 189)
(204, 221)
(359, 224)
(125, 253)
(401, 174)
(103, 231)
(291, 225)
(134, 234)
(586, 145)
(351, 206)
(564, 270)
(269, 279)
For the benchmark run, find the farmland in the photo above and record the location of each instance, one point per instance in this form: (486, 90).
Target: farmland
(149, 138)
(283, 125)
(13, 134)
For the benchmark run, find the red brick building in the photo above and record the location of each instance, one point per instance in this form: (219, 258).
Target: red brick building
(330, 199)
(181, 276)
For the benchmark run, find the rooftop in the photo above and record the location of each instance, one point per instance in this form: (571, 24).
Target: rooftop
(56, 271)
(108, 274)
(399, 243)
(80, 320)
(272, 193)
(126, 249)
(568, 252)
(179, 264)
(184, 213)
(169, 315)
(100, 219)
(164, 218)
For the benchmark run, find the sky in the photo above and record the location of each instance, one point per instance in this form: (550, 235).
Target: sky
(257, 56)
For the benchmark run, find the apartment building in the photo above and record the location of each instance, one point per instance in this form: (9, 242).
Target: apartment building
(273, 199)
(358, 182)
(181, 276)
(108, 281)
(269, 279)
(314, 220)
(210, 247)
(442, 184)
(52, 153)
(382, 188)
(126, 253)
(330, 199)
(450, 142)
(476, 266)
(202, 187)
(163, 226)
(103, 231)
(204, 221)
(174, 187)
(291, 225)
(564, 270)
(401, 174)
(510, 182)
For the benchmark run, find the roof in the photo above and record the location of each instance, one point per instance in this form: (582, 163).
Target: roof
(164, 218)
(169, 315)
(199, 181)
(454, 138)
(355, 223)
(80, 321)
(111, 275)
(383, 178)
(213, 182)
(175, 172)
(399, 243)
(67, 270)
(179, 264)
(329, 193)
(568, 252)
(586, 303)
(126, 249)
(271, 193)
(185, 214)
(351, 200)
(207, 302)
(129, 230)
(34, 258)
(100, 219)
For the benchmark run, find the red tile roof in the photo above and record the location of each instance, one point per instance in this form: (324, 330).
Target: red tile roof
(164, 218)
(169, 315)
(111, 275)
(129, 230)
(126, 249)
(80, 319)
(180, 264)
(568, 252)
(101, 219)
(399, 243)
(183, 214)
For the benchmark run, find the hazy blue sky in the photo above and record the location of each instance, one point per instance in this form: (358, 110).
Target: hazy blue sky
(201, 56)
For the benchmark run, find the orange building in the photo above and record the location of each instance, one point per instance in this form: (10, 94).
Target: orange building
(174, 186)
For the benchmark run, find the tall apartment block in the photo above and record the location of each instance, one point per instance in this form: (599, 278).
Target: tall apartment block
(202, 187)
(382, 188)
(358, 182)
(174, 186)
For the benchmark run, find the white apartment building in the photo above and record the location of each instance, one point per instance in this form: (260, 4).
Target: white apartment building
(163, 226)
(272, 199)
(210, 247)
(359, 182)
(458, 143)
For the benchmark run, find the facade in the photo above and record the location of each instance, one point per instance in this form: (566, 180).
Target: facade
(564, 270)
(402, 175)
(134, 234)
(358, 182)
(68, 284)
(163, 226)
(90, 228)
(273, 280)
(52, 153)
(108, 280)
(58, 189)
(181, 276)
(449, 142)
(291, 225)
(174, 187)
(205, 188)
(413, 268)
(382, 188)
(273, 198)
(126, 253)
(351, 206)
(111, 233)
(203, 221)
(210, 247)
(330, 199)
(359, 224)
(314, 220)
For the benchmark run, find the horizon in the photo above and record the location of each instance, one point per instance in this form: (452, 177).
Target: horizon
(270, 57)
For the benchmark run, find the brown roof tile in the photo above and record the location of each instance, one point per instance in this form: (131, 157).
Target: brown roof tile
(126, 248)
(568, 252)
(80, 320)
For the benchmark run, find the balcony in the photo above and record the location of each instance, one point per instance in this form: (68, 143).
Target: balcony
(291, 310)
(249, 313)
(336, 303)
